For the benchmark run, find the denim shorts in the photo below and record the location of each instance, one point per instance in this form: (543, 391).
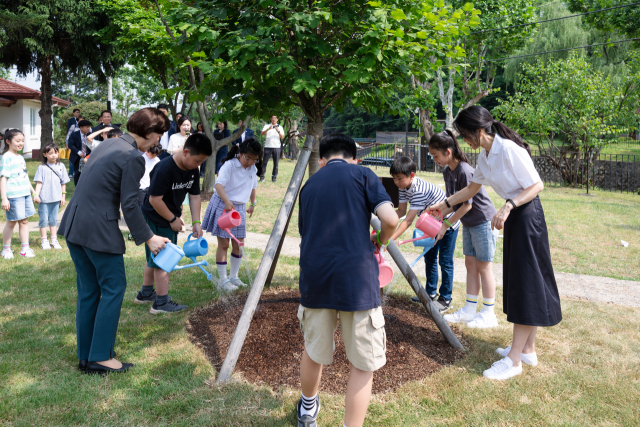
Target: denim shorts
(48, 213)
(479, 241)
(20, 208)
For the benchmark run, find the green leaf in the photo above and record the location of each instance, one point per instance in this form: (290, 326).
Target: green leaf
(398, 15)
(421, 34)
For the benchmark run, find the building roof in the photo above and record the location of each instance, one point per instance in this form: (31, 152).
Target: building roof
(10, 92)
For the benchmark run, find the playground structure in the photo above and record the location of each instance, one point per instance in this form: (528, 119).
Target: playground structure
(269, 261)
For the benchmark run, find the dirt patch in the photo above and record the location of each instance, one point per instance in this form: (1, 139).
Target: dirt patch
(273, 347)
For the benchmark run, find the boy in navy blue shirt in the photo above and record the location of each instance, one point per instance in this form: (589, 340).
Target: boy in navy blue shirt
(339, 275)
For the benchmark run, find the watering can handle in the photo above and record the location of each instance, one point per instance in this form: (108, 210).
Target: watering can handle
(189, 238)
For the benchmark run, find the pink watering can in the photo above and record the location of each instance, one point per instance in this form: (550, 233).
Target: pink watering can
(229, 220)
(428, 225)
(385, 275)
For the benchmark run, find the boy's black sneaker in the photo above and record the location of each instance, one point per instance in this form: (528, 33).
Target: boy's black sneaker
(442, 304)
(274, 179)
(261, 179)
(308, 420)
(417, 300)
(168, 307)
(142, 299)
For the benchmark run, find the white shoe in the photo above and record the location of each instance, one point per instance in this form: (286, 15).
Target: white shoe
(7, 254)
(236, 281)
(45, 245)
(56, 244)
(484, 320)
(28, 253)
(529, 359)
(226, 285)
(503, 369)
(459, 316)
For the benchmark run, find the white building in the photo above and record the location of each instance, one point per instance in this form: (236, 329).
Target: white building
(20, 108)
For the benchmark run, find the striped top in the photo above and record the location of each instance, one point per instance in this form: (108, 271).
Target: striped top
(422, 194)
(14, 168)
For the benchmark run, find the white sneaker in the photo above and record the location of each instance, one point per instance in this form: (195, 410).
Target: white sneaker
(56, 244)
(459, 316)
(529, 359)
(236, 281)
(484, 320)
(226, 285)
(28, 253)
(45, 245)
(7, 254)
(503, 369)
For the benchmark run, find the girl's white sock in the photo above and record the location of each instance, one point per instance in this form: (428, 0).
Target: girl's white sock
(236, 260)
(44, 239)
(222, 269)
(6, 247)
(472, 304)
(487, 305)
(25, 246)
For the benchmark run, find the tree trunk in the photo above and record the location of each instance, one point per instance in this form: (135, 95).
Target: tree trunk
(293, 141)
(46, 112)
(314, 127)
(425, 122)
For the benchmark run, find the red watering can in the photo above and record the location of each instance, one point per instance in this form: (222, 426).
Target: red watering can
(428, 225)
(229, 220)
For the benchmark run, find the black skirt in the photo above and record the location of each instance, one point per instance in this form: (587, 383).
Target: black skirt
(530, 292)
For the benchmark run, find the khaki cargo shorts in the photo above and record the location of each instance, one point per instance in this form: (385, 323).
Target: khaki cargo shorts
(365, 340)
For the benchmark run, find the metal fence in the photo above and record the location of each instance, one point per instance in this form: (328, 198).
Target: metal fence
(609, 172)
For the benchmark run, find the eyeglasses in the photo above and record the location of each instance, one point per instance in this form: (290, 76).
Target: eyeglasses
(248, 160)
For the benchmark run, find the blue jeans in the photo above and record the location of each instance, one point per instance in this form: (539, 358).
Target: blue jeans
(446, 246)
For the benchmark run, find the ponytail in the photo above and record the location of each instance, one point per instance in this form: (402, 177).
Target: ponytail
(250, 145)
(471, 119)
(447, 141)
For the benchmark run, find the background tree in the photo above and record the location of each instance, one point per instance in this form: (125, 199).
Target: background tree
(624, 20)
(64, 38)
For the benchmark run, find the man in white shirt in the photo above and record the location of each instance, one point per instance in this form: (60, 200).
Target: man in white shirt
(275, 134)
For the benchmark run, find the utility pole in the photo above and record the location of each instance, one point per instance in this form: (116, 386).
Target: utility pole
(406, 137)
(109, 94)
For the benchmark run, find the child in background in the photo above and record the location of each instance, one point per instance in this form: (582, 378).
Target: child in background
(51, 183)
(150, 160)
(237, 182)
(16, 191)
(419, 194)
(478, 240)
(170, 181)
(114, 133)
(340, 279)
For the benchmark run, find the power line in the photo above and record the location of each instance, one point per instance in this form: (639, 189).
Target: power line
(556, 19)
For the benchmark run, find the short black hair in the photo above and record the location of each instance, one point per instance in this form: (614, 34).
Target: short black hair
(338, 144)
(114, 133)
(155, 149)
(82, 123)
(105, 111)
(75, 109)
(404, 166)
(163, 106)
(197, 144)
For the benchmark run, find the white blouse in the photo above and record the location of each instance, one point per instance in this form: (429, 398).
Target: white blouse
(508, 168)
(176, 142)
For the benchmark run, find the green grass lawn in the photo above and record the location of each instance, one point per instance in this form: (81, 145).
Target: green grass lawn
(589, 372)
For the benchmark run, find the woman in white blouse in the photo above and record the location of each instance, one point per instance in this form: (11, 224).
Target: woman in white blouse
(177, 140)
(530, 293)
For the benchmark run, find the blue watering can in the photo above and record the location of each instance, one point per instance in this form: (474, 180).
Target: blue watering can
(427, 243)
(169, 257)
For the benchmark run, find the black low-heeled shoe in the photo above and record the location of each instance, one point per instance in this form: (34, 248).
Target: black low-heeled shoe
(94, 368)
(82, 365)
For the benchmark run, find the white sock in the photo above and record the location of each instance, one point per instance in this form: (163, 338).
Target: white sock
(44, 239)
(472, 304)
(222, 269)
(308, 406)
(487, 305)
(235, 261)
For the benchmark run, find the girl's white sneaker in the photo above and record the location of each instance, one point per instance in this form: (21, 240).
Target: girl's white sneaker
(227, 285)
(45, 245)
(28, 253)
(459, 316)
(483, 321)
(7, 254)
(56, 244)
(529, 359)
(503, 369)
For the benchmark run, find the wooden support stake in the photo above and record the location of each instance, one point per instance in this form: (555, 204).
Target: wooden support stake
(277, 255)
(411, 277)
(277, 235)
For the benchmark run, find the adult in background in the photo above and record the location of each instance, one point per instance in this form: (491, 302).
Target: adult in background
(79, 148)
(105, 116)
(71, 129)
(200, 128)
(530, 293)
(221, 132)
(248, 133)
(177, 140)
(164, 140)
(90, 226)
(74, 120)
(274, 133)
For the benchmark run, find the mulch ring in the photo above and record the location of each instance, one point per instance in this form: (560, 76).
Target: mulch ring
(273, 347)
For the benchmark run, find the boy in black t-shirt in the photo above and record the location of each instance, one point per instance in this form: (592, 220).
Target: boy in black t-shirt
(339, 275)
(170, 181)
